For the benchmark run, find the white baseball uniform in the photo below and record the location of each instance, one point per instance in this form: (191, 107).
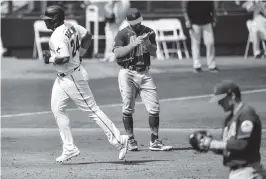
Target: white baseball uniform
(65, 42)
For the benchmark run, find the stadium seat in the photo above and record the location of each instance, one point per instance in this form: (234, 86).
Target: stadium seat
(249, 41)
(171, 30)
(40, 27)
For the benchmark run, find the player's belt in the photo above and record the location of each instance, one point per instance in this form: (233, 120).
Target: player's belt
(138, 68)
(65, 74)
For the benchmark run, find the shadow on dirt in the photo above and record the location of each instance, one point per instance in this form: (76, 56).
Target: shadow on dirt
(126, 162)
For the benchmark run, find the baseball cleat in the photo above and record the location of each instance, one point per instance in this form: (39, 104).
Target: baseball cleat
(67, 156)
(159, 146)
(132, 145)
(124, 147)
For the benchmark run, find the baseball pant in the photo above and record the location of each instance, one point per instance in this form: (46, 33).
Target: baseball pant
(132, 84)
(255, 171)
(111, 30)
(75, 87)
(206, 32)
(257, 32)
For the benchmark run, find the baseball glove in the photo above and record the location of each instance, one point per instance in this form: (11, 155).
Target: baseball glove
(46, 56)
(200, 140)
(124, 62)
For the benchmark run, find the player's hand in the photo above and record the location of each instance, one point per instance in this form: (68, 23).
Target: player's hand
(188, 24)
(139, 40)
(204, 143)
(147, 35)
(46, 56)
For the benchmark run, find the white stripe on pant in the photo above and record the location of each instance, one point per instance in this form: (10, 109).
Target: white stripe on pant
(63, 90)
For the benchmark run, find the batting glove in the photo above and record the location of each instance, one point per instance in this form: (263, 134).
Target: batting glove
(46, 56)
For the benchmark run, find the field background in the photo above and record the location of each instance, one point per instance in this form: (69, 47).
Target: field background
(30, 139)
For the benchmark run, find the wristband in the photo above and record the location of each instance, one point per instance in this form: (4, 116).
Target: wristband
(217, 145)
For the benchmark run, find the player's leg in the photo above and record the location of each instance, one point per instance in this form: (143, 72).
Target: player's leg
(59, 101)
(260, 25)
(149, 96)
(80, 92)
(208, 38)
(195, 35)
(128, 90)
(248, 172)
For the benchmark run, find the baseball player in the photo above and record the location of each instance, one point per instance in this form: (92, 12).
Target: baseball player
(133, 47)
(67, 44)
(241, 136)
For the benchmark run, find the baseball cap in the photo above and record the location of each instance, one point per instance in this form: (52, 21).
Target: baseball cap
(133, 16)
(52, 11)
(221, 90)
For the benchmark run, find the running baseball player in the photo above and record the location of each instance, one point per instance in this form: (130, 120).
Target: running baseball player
(241, 136)
(67, 44)
(133, 47)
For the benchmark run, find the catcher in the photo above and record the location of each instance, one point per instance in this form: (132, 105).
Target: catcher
(241, 136)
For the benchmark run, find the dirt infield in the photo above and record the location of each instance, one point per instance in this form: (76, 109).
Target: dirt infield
(30, 153)
(30, 139)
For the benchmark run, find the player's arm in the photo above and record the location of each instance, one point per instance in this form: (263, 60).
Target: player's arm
(120, 49)
(240, 142)
(61, 56)
(85, 37)
(60, 60)
(150, 43)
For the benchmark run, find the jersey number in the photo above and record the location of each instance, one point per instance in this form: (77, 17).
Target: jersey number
(75, 46)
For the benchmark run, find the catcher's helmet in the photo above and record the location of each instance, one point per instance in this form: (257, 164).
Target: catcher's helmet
(55, 13)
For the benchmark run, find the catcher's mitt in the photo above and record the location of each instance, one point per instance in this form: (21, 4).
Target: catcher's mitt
(200, 140)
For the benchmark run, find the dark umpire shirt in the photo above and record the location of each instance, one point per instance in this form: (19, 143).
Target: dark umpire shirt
(244, 125)
(200, 12)
(139, 56)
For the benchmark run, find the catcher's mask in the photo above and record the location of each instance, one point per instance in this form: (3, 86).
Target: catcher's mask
(53, 16)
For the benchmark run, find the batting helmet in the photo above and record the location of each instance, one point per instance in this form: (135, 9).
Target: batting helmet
(54, 13)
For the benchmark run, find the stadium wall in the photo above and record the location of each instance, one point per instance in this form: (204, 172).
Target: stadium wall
(230, 35)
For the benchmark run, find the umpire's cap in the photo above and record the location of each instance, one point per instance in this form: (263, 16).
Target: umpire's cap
(133, 16)
(52, 11)
(224, 88)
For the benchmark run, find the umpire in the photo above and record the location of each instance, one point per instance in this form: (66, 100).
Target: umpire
(241, 136)
(133, 47)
